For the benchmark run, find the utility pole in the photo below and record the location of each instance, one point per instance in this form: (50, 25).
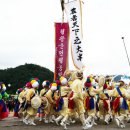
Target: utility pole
(126, 50)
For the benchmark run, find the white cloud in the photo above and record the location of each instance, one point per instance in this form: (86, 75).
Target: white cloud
(27, 34)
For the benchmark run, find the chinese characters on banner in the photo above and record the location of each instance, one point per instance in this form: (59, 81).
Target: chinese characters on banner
(61, 48)
(73, 11)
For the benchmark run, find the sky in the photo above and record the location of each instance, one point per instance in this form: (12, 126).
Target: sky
(27, 34)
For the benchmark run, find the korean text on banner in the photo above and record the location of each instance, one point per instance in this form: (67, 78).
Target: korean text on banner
(61, 48)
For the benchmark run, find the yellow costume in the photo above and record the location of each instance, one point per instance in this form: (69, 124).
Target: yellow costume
(45, 103)
(104, 107)
(49, 95)
(21, 99)
(77, 96)
(64, 94)
(90, 109)
(128, 102)
(90, 99)
(31, 112)
(49, 108)
(77, 88)
(31, 93)
(119, 104)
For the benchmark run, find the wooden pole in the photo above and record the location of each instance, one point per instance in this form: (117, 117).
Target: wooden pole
(62, 7)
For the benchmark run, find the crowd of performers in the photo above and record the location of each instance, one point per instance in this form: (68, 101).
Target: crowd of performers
(70, 98)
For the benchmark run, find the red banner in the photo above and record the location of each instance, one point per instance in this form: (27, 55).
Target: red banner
(61, 48)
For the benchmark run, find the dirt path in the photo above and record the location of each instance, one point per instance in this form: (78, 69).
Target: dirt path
(12, 123)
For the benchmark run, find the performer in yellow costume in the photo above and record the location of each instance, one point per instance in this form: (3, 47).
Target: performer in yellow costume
(51, 102)
(71, 112)
(104, 104)
(21, 99)
(31, 112)
(128, 102)
(120, 105)
(90, 99)
(77, 88)
(46, 87)
(64, 91)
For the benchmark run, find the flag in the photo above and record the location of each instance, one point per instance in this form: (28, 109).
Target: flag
(73, 12)
(61, 48)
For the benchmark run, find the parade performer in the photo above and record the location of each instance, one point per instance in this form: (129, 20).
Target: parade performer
(64, 91)
(77, 88)
(120, 105)
(46, 86)
(32, 103)
(104, 104)
(22, 99)
(128, 102)
(90, 99)
(48, 111)
(3, 95)
(71, 112)
(17, 103)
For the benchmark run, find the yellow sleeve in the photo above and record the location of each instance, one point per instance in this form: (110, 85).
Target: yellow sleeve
(75, 89)
(127, 95)
(115, 93)
(98, 91)
(66, 89)
(49, 96)
(78, 89)
(29, 95)
(84, 94)
(20, 97)
(42, 92)
(70, 83)
(111, 93)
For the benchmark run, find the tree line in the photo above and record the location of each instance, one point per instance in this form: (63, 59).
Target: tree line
(17, 77)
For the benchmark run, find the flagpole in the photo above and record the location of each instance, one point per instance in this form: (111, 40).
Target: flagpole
(62, 7)
(126, 51)
(62, 16)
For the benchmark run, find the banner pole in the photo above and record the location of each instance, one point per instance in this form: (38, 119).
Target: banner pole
(62, 7)
(63, 16)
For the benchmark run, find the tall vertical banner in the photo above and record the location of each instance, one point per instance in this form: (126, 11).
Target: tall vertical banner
(73, 12)
(61, 48)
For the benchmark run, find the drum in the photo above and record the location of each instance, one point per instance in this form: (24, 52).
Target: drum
(36, 102)
(101, 81)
